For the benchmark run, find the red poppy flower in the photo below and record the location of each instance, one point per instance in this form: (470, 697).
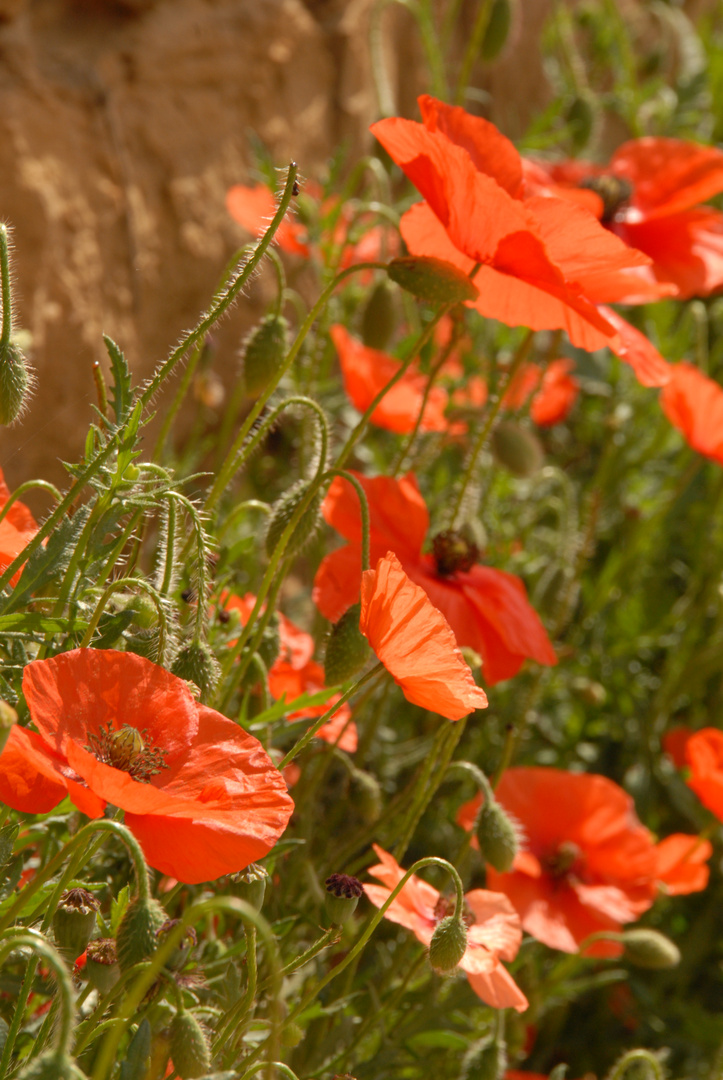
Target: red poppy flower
(694, 405)
(416, 643)
(487, 609)
(544, 264)
(199, 793)
(17, 529)
(681, 863)
(493, 931)
(557, 393)
(674, 744)
(367, 371)
(648, 196)
(635, 349)
(294, 673)
(588, 864)
(704, 754)
(254, 207)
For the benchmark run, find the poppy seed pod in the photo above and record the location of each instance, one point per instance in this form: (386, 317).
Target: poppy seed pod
(432, 279)
(497, 836)
(74, 922)
(650, 949)
(281, 514)
(342, 897)
(189, 1047)
(101, 964)
(15, 383)
(292, 1035)
(136, 937)
(379, 317)
(263, 352)
(347, 649)
(448, 944)
(517, 449)
(196, 663)
(250, 885)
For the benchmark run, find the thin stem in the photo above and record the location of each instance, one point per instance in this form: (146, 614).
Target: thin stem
(30, 939)
(474, 46)
(201, 569)
(7, 303)
(364, 511)
(622, 1064)
(118, 586)
(27, 486)
(238, 1012)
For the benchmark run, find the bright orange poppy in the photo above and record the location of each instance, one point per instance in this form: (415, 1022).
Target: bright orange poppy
(254, 207)
(493, 930)
(17, 529)
(367, 371)
(544, 263)
(681, 863)
(487, 609)
(555, 391)
(294, 673)
(200, 794)
(704, 754)
(415, 643)
(648, 196)
(587, 864)
(694, 405)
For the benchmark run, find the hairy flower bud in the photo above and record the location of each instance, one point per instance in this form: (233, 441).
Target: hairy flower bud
(517, 449)
(189, 1047)
(432, 279)
(647, 948)
(74, 922)
(51, 1065)
(101, 964)
(347, 649)
(342, 897)
(136, 937)
(15, 383)
(281, 514)
(263, 352)
(448, 944)
(196, 663)
(497, 836)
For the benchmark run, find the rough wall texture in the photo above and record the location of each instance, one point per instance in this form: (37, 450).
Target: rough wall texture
(123, 123)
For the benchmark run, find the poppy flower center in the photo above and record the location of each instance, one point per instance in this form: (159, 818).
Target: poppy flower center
(615, 192)
(129, 750)
(560, 862)
(453, 551)
(445, 906)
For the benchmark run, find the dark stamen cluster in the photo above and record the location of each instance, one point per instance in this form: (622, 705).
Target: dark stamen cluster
(344, 885)
(615, 192)
(80, 900)
(454, 551)
(127, 749)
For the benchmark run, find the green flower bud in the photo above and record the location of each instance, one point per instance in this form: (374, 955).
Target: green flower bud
(347, 650)
(74, 922)
(189, 1047)
(379, 316)
(646, 948)
(342, 896)
(250, 885)
(517, 449)
(136, 937)
(138, 1054)
(263, 352)
(101, 964)
(497, 836)
(292, 1035)
(145, 613)
(51, 1065)
(432, 279)
(281, 514)
(448, 944)
(196, 663)
(15, 384)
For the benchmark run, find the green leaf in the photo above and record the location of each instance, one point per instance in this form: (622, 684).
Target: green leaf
(118, 907)
(48, 562)
(121, 397)
(32, 622)
(282, 707)
(138, 1055)
(437, 1040)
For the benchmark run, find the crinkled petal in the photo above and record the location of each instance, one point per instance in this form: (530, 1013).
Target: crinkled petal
(694, 405)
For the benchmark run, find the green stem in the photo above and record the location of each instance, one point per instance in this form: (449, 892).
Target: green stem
(445, 743)
(15, 939)
(117, 586)
(7, 303)
(224, 300)
(238, 1012)
(622, 1064)
(201, 568)
(364, 511)
(474, 46)
(27, 486)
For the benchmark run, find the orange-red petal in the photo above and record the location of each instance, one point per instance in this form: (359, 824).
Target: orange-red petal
(681, 863)
(694, 405)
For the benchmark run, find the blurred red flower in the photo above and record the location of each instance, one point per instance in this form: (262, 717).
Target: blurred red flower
(704, 754)
(587, 864)
(681, 862)
(648, 195)
(493, 930)
(415, 643)
(675, 742)
(254, 207)
(17, 529)
(487, 609)
(694, 405)
(544, 263)
(555, 391)
(199, 793)
(294, 673)
(367, 371)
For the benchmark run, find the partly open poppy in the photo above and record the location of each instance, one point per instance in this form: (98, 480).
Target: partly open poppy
(694, 405)
(201, 795)
(587, 864)
(648, 195)
(367, 371)
(17, 529)
(553, 389)
(493, 928)
(681, 863)
(254, 207)
(415, 642)
(486, 608)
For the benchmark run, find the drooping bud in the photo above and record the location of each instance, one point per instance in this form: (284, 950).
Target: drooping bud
(136, 937)
(15, 383)
(379, 317)
(196, 663)
(101, 964)
(497, 836)
(182, 951)
(8, 717)
(282, 512)
(448, 944)
(189, 1047)
(517, 448)
(342, 896)
(263, 352)
(250, 885)
(647, 948)
(347, 650)
(145, 613)
(432, 279)
(74, 922)
(51, 1065)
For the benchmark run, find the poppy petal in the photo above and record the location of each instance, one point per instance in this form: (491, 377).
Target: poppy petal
(694, 405)
(669, 175)
(498, 989)
(635, 349)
